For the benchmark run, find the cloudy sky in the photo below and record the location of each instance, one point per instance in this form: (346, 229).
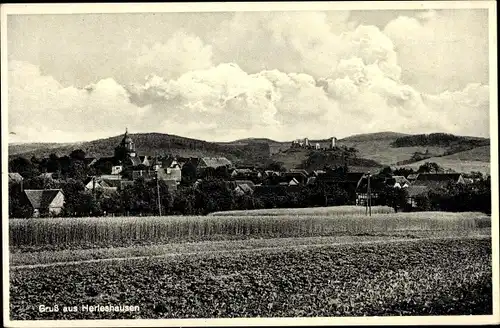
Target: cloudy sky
(228, 75)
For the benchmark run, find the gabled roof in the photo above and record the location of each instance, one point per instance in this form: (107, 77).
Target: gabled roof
(304, 172)
(318, 172)
(41, 198)
(215, 162)
(400, 179)
(311, 180)
(247, 182)
(436, 180)
(15, 177)
(414, 191)
(243, 171)
(48, 175)
(245, 188)
(438, 176)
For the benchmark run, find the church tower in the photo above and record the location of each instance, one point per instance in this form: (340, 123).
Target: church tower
(128, 145)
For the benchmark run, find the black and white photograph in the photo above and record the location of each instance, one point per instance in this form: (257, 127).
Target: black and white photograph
(242, 164)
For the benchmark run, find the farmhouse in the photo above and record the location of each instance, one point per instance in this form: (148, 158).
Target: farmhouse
(437, 180)
(377, 185)
(214, 162)
(243, 189)
(400, 181)
(45, 201)
(414, 192)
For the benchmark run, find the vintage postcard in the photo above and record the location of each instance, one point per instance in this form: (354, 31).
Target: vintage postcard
(249, 164)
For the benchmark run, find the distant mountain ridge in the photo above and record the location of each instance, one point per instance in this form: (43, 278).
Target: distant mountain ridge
(380, 148)
(155, 144)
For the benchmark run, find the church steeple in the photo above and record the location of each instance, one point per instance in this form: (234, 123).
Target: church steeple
(128, 144)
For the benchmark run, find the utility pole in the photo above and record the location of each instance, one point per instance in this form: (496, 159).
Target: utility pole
(158, 187)
(369, 196)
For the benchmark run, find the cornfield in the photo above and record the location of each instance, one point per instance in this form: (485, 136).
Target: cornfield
(321, 211)
(114, 231)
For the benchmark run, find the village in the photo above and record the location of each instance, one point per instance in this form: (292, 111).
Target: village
(127, 166)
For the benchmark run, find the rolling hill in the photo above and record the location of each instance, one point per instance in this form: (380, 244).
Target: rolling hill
(476, 159)
(463, 154)
(389, 148)
(151, 144)
(295, 158)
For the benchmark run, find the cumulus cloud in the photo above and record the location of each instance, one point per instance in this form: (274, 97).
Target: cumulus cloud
(182, 53)
(297, 74)
(442, 50)
(41, 109)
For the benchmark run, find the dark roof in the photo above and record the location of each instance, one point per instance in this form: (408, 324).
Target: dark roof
(414, 191)
(247, 182)
(48, 175)
(354, 176)
(311, 180)
(400, 179)
(41, 198)
(436, 180)
(15, 177)
(304, 172)
(245, 188)
(215, 161)
(376, 184)
(438, 177)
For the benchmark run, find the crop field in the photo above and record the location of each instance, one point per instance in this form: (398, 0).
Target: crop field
(322, 211)
(78, 233)
(412, 277)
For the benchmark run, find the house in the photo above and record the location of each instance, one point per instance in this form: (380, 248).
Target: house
(170, 173)
(214, 162)
(146, 174)
(247, 182)
(299, 176)
(317, 172)
(94, 183)
(243, 189)
(115, 184)
(400, 181)
(311, 181)
(414, 192)
(47, 175)
(412, 177)
(269, 173)
(110, 177)
(241, 172)
(437, 180)
(377, 186)
(45, 201)
(116, 169)
(15, 177)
